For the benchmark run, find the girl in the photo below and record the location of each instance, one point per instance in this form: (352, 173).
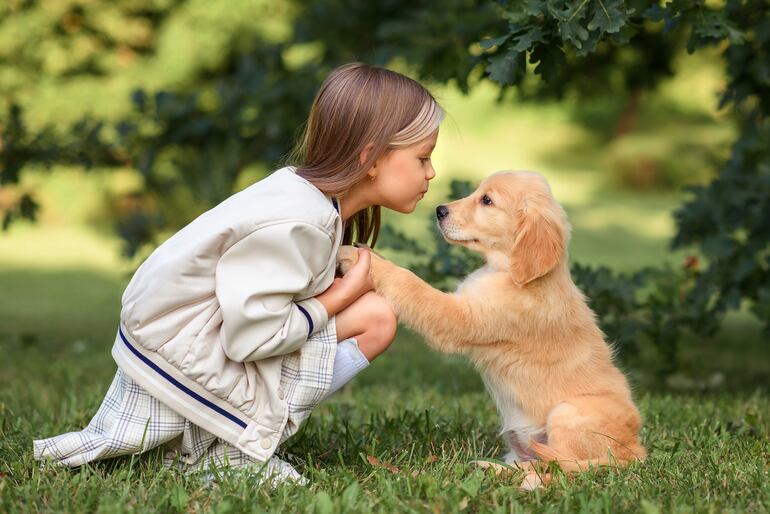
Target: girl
(229, 331)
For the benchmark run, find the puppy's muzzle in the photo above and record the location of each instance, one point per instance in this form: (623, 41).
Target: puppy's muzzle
(442, 211)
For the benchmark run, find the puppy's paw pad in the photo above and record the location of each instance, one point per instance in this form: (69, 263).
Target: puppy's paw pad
(347, 257)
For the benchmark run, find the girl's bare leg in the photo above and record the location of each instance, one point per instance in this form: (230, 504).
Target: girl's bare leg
(371, 322)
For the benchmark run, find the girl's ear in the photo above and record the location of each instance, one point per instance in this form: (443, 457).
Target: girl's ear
(539, 243)
(365, 153)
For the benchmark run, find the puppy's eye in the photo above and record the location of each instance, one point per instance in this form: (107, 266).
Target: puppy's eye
(486, 200)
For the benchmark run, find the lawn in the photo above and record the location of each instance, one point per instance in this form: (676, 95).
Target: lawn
(422, 422)
(399, 438)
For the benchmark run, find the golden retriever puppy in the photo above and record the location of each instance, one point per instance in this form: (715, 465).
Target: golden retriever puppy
(526, 326)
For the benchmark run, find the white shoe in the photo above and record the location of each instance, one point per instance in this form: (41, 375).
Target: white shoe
(279, 471)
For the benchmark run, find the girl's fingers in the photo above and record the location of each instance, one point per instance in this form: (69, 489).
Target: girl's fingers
(364, 258)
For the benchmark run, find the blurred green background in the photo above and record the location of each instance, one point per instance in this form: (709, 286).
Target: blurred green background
(62, 277)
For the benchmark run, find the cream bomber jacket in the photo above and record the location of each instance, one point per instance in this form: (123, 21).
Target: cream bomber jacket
(207, 318)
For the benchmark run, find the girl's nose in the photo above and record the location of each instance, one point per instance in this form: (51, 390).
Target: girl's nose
(431, 172)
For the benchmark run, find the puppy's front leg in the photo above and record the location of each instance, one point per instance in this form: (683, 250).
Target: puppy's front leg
(444, 320)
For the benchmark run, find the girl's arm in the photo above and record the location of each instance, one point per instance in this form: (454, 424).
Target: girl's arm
(257, 280)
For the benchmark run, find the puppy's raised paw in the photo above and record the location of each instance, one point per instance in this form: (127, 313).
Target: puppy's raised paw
(374, 254)
(347, 257)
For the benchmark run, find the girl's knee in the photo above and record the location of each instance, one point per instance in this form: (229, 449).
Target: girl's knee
(386, 325)
(381, 325)
(382, 317)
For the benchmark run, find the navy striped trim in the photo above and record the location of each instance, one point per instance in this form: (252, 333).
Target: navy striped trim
(181, 386)
(334, 202)
(309, 319)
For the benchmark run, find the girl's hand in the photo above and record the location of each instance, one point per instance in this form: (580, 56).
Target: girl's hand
(347, 257)
(355, 282)
(356, 274)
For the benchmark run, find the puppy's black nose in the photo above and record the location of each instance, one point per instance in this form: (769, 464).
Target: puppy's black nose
(442, 212)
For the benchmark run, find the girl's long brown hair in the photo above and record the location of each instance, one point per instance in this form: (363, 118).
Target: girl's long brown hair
(359, 104)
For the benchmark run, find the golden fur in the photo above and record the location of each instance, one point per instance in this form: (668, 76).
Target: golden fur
(527, 328)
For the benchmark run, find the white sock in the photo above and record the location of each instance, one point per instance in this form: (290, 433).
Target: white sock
(348, 362)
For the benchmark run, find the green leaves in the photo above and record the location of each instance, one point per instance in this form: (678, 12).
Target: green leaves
(82, 143)
(729, 220)
(711, 27)
(550, 61)
(486, 44)
(570, 23)
(528, 38)
(507, 68)
(26, 208)
(609, 16)
(553, 34)
(580, 24)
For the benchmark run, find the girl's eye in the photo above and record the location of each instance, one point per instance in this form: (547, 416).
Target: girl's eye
(486, 200)
(424, 159)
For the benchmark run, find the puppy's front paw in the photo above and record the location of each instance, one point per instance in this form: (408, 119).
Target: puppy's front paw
(535, 481)
(347, 257)
(486, 464)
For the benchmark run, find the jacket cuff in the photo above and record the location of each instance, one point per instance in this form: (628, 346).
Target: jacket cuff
(315, 314)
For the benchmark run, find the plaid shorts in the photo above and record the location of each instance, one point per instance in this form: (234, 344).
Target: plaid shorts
(131, 421)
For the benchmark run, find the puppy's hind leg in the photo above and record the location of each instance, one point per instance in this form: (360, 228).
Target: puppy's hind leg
(517, 458)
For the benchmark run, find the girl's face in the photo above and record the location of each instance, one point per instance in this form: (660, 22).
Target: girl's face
(401, 177)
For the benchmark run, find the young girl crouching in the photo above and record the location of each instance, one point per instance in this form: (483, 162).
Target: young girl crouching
(235, 328)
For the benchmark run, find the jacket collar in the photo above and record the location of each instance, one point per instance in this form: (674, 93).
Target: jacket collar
(334, 200)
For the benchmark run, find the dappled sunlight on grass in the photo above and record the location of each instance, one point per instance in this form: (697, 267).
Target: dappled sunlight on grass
(480, 136)
(651, 219)
(58, 247)
(620, 249)
(698, 83)
(575, 189)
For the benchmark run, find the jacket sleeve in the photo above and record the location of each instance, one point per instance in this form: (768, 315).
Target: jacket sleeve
(256, 282)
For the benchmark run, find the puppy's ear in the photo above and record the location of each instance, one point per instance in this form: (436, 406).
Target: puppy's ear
(539, 243)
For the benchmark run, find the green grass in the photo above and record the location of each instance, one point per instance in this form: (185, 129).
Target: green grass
(421, 415)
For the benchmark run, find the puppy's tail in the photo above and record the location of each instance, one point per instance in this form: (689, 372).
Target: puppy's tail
(570, 464)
